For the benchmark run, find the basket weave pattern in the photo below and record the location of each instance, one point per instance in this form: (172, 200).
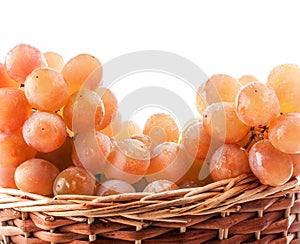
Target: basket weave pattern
(237, 210)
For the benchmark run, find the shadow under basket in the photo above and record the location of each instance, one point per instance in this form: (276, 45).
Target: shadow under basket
(237, 210)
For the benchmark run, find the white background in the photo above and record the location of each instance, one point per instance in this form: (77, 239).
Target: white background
(233, 37)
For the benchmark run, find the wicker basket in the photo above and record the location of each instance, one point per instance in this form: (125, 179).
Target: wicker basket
(238, 210)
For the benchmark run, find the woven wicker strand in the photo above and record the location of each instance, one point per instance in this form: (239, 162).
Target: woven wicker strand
(237, 210)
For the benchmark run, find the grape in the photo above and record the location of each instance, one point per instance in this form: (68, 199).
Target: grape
(257, 104)
(296, 164)
(161, 128)
(128, 161)
(92, 157)
(110, 104)
(36, 176)
(14, 150)
(221, 122)
(54, 60)
(115, 125)
(112, 187)
(284, 79)
(160, 186)
(245, 79)
(14, 109)
(74, 180)
(80, 69)
(21, 60)
(228, 161)
(7, 176)
(127, 129)
(44, 131)
(284, 133)
(46, 89)
(5, 79)
(221, 88)
(61, 158)
(169, 161)
(271, 166)
(82, 108)
(196, 141)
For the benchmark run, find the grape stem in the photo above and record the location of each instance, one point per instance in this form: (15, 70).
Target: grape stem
(257, 134)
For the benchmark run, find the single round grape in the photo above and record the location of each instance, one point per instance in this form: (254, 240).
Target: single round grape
(160, 186)
(44, 131)
(127, 129)
(228, 161)
(257, 104)
(284, 79)
(284, 133)
(115, 125)
(54, 60)
(271, 166)
(169, 161)
(161, 127)
(245, 79)
(7, 177)
(296, 164)
(221, 88)
(196, 141)
(14, 109)
(5, 79)
(82, 109)
(110, 105)
(74, 180)
(21, 60)
(81, 69)
(89, 156)
(128, 161)
(14, 150)
(61, 158)
(222, 123)
(36, 176)
(46, 89)
(112, 187)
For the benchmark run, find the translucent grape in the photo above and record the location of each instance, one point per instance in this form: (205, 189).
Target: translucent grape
(127, 129)
(271, 166)
(21, 60)
(110, 105)
(14, 150)
(36, 176)
(7, 176)
(221, 88)
(112, 187)
(257, 104)
(82, 108)
(169, 161)
(196, 141)
(5, 79)
(222, 123)
(80, 69)
(74, 180)
(89, 155)
(284, 79)
(46, 89)
(44, 131)
(128, 161)
(61, 158)
(228, 161)
(161, 127)
(284, 133)
(115, 126)
(245, 79)
(160, 186)
(14, 109)
(54, 60)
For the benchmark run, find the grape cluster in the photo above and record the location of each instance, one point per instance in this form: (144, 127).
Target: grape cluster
(61, 135)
